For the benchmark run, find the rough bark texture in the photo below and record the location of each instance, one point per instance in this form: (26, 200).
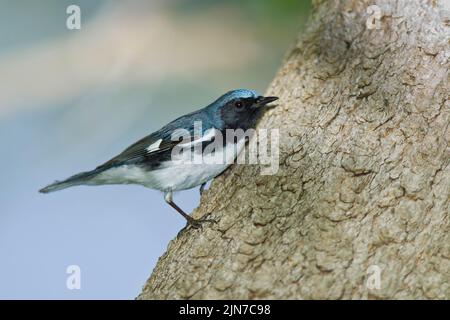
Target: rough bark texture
(364, 174)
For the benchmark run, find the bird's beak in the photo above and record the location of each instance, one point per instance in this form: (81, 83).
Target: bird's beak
(262, 101)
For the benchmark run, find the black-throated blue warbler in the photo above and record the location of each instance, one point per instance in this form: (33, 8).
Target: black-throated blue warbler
(149, 161)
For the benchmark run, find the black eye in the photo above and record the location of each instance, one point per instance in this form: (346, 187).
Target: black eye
(238, 104)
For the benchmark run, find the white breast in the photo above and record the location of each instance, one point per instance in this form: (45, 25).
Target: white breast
(172, 175)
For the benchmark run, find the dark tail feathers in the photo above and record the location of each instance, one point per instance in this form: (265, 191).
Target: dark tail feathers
(75, 180)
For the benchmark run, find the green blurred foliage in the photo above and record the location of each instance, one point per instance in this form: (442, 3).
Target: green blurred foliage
(255, 8)
(281, 11)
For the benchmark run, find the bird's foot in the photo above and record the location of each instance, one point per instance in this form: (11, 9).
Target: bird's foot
(202, 188)
(198, 223)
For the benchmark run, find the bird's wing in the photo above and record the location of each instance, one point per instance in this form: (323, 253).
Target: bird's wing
(155, 144)
(138, 150)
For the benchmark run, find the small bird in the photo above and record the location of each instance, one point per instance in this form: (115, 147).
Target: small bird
(150, 161)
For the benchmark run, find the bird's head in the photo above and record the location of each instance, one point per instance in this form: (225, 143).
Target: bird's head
(239, 109)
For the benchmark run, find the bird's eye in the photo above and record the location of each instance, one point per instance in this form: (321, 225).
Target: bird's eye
(238, 104)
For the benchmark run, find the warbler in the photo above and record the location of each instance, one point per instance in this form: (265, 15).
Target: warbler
(163, 159)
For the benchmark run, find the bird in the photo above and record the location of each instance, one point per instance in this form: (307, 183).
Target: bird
(158, 161)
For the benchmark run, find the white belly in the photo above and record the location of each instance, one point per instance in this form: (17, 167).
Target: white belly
(183, 176)
(172, 176)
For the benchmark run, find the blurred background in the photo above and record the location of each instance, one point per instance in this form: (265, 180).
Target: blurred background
(72, 99)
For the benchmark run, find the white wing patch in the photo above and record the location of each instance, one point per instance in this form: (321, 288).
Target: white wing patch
(154, 146)
(209, 134)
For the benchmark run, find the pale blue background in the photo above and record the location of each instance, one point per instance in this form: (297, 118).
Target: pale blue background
(114, 233)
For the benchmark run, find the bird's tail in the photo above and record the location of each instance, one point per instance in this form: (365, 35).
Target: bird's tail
(75, 180)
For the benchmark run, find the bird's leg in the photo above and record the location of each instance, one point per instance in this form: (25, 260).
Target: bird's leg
(202, 188)
(195, 223)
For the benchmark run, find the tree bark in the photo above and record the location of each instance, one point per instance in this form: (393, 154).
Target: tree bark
(364, 178)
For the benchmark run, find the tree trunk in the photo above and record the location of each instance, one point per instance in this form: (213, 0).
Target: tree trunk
(360, 205)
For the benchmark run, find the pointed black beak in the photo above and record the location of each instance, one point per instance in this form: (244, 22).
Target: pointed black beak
(262, 101)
